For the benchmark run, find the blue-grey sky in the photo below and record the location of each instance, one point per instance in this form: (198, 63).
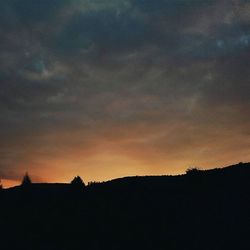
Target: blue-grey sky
(109, 88)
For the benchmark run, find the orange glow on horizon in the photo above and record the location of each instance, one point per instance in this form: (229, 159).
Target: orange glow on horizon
(9, 183)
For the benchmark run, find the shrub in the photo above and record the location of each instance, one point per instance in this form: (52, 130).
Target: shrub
(26, 180)
(77, 181)
(192, 171)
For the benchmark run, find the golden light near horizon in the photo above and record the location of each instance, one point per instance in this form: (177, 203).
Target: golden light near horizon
(9, 183)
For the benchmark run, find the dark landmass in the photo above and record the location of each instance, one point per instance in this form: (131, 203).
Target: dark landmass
(205, 210)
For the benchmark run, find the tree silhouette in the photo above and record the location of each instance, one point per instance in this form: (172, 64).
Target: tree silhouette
(1, 186)
(77, 182)
(26, 180)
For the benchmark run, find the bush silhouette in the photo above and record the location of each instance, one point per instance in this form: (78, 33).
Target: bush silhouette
(192, 171)
(26, 180)
(93, 183)
(77, 182)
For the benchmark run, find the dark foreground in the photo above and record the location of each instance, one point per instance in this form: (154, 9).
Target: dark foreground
(205, 210)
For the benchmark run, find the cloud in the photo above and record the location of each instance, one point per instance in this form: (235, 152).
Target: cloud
(156, 83)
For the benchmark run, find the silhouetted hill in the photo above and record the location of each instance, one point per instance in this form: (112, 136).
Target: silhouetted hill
(205, 210)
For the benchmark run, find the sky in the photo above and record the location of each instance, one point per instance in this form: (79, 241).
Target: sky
(112, 88)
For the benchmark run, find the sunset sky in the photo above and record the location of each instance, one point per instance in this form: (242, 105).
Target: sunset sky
(112, 88)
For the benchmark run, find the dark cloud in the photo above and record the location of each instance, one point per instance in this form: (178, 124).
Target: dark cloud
(161, 83)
